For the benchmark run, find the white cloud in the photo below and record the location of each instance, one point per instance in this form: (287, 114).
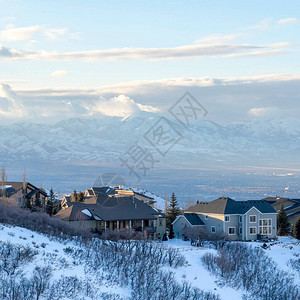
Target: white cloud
(10, 106)
(218, 39)
(119, 106)
(262, 25)
(254, 53)
(59, 73)
(264, 112)
(287, 21)
(126, 54)
(12, 33)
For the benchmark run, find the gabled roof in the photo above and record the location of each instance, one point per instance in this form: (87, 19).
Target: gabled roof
(73, 213)
(225, 205)
(217, 206)
(111, 208)
(193, 219)
(14, 186)
(123, 208)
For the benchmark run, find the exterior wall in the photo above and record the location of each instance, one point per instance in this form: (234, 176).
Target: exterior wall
(259, 216)
(213, 220)
(161, 224)
(232, 223)
(92, 224)
(179, 225)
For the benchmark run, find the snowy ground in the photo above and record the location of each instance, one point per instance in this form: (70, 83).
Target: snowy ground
(51, 252)
(196, 273)
(281, 252)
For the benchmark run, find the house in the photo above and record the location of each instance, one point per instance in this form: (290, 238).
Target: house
(94, 191)
(237, 220)
(105, 208)
(20, 193)
(187, 220)
(291, 207)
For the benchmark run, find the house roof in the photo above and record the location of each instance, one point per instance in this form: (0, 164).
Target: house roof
(294, 214)
(111, 208)
(14, 186)
(193, 218)
(74, 213)
(150, 198)
(104, 190)
(226, 205)
(292, 207)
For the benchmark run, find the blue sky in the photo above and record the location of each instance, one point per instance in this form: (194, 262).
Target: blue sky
(108, 45)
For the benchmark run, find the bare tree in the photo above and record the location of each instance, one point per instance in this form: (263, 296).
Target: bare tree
(3, 179)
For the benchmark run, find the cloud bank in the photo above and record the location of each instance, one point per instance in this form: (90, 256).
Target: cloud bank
(127, 54)
(120, 106)
(10, 105)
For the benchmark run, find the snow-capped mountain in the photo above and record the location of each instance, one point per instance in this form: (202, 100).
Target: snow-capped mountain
(107, 138)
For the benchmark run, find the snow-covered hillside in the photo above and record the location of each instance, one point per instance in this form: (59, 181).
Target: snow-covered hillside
(49, 252)
(71, 267)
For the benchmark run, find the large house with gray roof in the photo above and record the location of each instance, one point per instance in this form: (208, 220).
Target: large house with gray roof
(107, 208)
(236, 220)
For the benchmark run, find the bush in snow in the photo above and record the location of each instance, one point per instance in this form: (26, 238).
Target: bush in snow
(40, 222)
(250, 268)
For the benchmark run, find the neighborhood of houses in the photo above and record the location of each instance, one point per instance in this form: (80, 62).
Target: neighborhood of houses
(114, 208)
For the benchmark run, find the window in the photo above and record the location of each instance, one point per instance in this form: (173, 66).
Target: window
(213, 229)
(252, 219)
(227, 219)
(206, 217)
(231, 230)
(160, 222)
(252, 230)
(265, 226)
(240, 230)
(240, 219)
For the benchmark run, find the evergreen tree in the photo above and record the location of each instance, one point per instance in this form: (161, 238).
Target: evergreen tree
(37, 201)
(80, 197)
(50, 203)
(171, 234)
(28, 203)
(296, 231)
(283, 226)
(173, 210)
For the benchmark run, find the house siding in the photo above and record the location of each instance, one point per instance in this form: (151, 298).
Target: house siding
(259, 216)
(215, 220)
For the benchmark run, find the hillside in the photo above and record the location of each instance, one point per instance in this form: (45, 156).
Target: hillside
(83, 271)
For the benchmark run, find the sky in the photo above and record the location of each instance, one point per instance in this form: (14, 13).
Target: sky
(63, 59)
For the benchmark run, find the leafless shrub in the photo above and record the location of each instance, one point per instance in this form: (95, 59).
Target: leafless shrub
(40, 222)
(123, 234)
(251, 269)
(198, 236)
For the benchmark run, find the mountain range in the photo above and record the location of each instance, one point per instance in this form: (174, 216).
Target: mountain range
(105, 139)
